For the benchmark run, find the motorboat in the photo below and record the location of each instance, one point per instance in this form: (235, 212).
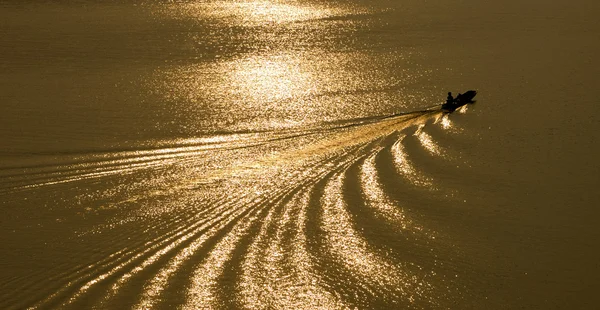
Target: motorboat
(459, 101)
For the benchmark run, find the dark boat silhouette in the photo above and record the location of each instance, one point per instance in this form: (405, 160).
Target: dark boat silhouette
(459, 101)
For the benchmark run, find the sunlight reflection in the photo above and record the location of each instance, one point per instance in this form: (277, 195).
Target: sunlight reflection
(267, 11)
(258, 12)
(404, 166)
(270, 78)
(278, 271)
(462, 110)
(277, 90)
(444, 120)
(427, 142)
(353, 251)
(376, 198)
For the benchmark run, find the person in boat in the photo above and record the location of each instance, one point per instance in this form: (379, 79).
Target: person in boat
(450, 99)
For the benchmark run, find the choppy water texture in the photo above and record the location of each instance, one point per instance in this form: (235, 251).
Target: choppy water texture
(293, 155)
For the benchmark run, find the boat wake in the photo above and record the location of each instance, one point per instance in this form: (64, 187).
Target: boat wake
(314, 217)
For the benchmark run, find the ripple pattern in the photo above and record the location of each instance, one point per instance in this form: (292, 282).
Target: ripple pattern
(308, 218)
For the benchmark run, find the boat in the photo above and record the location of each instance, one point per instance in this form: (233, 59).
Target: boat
(459, 101)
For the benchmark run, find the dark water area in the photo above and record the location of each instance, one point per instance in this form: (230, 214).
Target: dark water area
(283, 154)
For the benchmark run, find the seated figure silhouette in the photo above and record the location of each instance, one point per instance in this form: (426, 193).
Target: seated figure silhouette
(450, 99)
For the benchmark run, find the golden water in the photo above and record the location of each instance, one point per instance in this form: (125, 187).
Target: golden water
(293, 155)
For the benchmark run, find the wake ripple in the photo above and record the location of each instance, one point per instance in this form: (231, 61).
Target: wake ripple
(303, 218)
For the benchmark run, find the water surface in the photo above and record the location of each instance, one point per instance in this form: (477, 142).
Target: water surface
(283, 154)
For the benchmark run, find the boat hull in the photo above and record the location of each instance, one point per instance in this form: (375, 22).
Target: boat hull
(459, 101)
